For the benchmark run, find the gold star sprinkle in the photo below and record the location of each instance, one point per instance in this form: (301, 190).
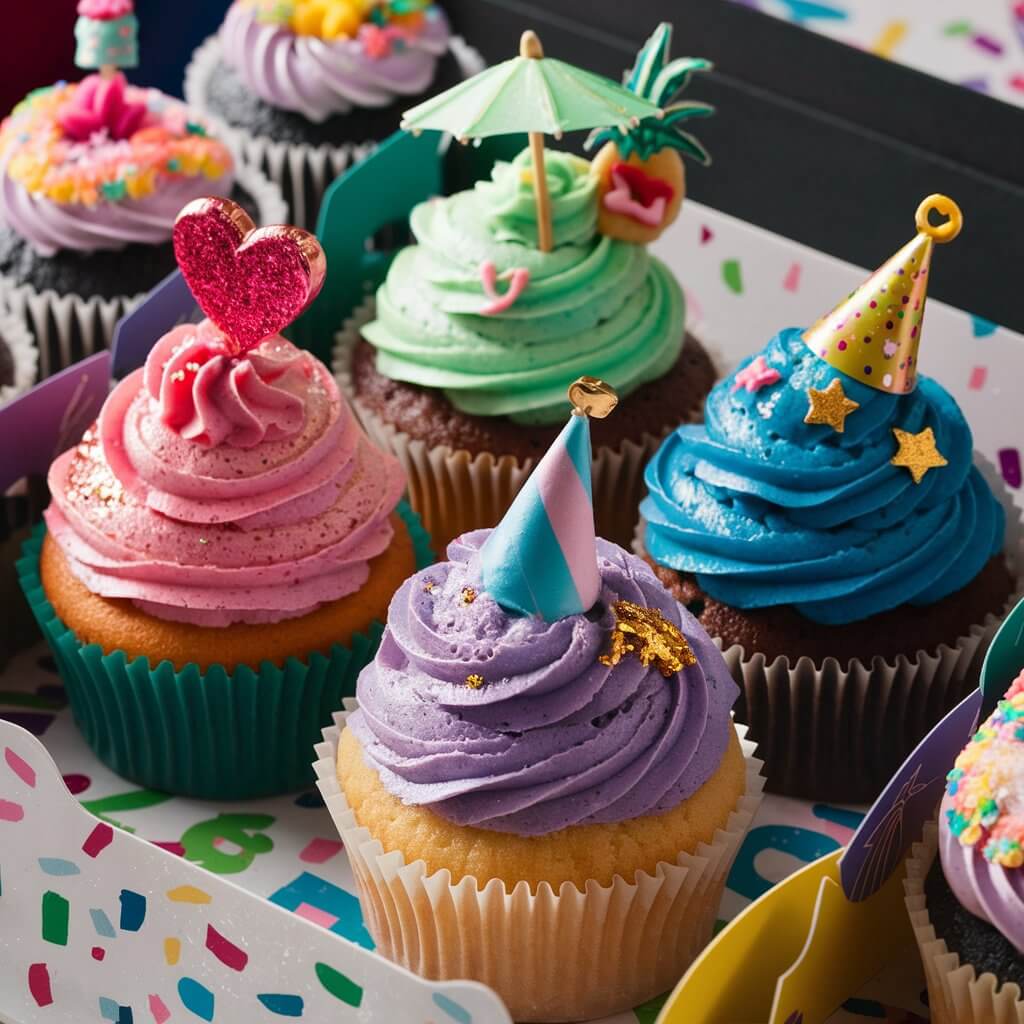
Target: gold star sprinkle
(917, 452)
(830, 407)
(646, 633)
(475, 681)
(468, 595)
(429, 586)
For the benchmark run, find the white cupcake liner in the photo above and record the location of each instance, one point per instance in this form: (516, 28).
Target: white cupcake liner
(24, 353)
(551, 956)
(834, 732)
(301, 170)
(454, 491)
(956, 994)
(71, 327)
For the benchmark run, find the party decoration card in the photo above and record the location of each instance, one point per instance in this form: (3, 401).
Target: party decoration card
(101, 925)
(169, 304)
(795, 954)
(50, 418)
(1004, 660)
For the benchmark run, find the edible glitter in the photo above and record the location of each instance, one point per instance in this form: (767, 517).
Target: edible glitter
(646, 633)
(987, 784)
(468, 595)
(475, 681)
(428, 587)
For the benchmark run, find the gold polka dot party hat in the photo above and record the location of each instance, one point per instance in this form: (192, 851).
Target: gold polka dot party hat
(873, 335)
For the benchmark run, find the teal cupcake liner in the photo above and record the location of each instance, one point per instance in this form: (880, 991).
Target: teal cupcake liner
(218, 735)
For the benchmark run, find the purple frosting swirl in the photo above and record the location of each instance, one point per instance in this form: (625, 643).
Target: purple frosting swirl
(50, 227)
(553, 738)
(988, 890)
(319, 78)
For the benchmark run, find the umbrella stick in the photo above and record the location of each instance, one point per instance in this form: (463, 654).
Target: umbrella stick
(529, 46)
(540, 188)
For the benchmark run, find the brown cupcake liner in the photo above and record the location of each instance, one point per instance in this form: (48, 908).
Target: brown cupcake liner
(956, 994)
(71, 327)
(551, 956)
(454, 491)
(301, 170)
(839, 732)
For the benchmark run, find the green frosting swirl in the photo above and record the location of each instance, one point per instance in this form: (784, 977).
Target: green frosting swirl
(593, 305)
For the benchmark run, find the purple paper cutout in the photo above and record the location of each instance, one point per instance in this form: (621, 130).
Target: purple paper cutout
(40, 424)
(897, 818)
(170, 303)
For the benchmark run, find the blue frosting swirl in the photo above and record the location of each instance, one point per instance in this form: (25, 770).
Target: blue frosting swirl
(767, 510)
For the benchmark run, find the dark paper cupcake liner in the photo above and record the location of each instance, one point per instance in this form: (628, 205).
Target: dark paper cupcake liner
(216, 735)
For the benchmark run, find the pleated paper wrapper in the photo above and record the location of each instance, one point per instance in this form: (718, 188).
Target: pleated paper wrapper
(24, 354)
(956, 994)
(71, 327)
(454, 491)
(216, 735)
(301, 170)
(839, 733)
(562, 956)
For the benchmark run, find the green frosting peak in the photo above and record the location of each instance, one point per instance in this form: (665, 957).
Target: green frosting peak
(511, 207)
(593, 305)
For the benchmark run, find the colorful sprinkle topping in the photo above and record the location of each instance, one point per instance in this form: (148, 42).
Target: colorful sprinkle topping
(381, 28)
(166, 146)
(987, 784)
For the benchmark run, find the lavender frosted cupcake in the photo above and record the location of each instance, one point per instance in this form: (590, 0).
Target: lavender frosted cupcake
(542, 749)
(309, 86)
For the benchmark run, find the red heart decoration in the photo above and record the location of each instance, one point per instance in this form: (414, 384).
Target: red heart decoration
(251, 282)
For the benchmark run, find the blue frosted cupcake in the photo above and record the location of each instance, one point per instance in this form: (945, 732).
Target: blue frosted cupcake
(829, 525)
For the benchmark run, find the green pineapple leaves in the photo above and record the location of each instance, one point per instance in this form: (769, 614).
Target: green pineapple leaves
(660, 80)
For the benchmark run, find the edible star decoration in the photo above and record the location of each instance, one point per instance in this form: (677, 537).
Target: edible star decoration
(917, 452)
(830, 407)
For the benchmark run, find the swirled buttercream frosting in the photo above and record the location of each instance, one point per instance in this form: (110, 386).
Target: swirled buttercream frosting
(476, 309)
(768, 509)
(100, 164)
(981, 820)
(217, 489)
(514, 724)
(318, 77)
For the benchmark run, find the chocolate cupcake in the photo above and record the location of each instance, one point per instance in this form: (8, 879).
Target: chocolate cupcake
(830, 527)
(92, 174)
(460, 365)
(309, 87)
(967, 904)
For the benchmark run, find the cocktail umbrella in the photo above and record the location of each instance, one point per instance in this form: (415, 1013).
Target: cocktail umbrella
(534, 94)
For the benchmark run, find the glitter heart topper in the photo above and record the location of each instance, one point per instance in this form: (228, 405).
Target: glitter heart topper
(251, 282)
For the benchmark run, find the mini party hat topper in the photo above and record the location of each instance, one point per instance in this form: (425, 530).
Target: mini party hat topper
(107, 35)
(251, 282)
(874, 334)
(541, 558)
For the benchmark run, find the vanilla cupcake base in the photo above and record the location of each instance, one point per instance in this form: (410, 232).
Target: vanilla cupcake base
(454, 491)
(835, 731)
(956, 994)
(552, 956)
(70, 327)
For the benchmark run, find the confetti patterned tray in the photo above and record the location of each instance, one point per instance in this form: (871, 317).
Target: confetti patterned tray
(977, 45)
(742, 284)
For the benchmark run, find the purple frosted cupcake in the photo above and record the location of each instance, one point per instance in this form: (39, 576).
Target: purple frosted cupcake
(308, 86)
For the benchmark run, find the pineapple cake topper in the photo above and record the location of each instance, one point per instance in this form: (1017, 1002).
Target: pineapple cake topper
(640, 169)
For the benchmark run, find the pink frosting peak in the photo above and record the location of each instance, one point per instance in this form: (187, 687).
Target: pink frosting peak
(208, 395)
(99, 105)
(104, 10)
(214, 534)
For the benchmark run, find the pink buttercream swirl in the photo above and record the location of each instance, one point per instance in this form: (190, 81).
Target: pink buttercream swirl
(104, 10)
(234, 531)
(100, 105)
(208, 395)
